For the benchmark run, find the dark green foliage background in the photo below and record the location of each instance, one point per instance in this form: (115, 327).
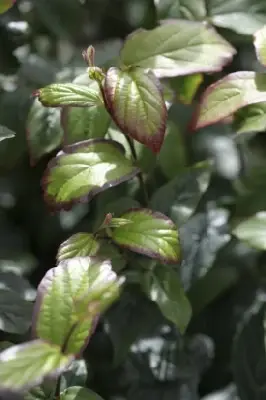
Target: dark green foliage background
(224, 345)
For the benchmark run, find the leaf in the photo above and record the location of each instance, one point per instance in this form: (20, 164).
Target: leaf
(201, 237)
(42, 392)
(81, 288)
(179, 198)
(244, 16)
(84, 123)
(75, 375)
(136, 104)
(6, 5)
(186, 87)
(253, 231)
(150, 233)
(260, 45)
(85, 169)
(25, 365)
(79, 393)
(163, 286)
(5, 133)
(251, 119)
(78, 245)
(68, 94)
(177, 48)
(44, 133)
(249, 365)
(229, 94)
(111, 252)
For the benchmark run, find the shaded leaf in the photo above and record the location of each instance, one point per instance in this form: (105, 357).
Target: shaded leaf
(149, 233)
(253, 231)
(6, 133)
(163, 286)
(249, 364)
(75, 375)
(112, 252)
(81, 288)
(68, 94)
(136, 104)
(226, 96)
(79, 393)
(178, 198)
(78, 245)
(260, 45)
(5, 5)
(177, 48)
(16, 283)
(201, 237)
(251, 119)
(25, 365)
(44, 133)
(185, 87)
(83, 170)
(42, 392)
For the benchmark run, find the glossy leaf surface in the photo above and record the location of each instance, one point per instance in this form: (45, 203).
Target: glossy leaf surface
(78, 245)
(82, 170)
(149, 233)
(136, 104)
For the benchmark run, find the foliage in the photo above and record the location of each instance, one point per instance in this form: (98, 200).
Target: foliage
(132, 199)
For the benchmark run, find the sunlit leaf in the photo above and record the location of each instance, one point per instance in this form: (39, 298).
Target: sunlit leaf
(251, 119)
(68, 94)
(5, 5)
(44, 133)
(163, 286)
(136, 104)
(78, 245)
(81, 288)
(226, 96)
(149, 233)
(25, 365)
(260, 45)
(253, 231)
(79, 393)
(83, 170)
(177, 48)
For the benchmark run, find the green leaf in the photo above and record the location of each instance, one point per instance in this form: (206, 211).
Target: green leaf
(179, 198)
(150, 233)
(84, 123)
(78, 245)
(6, 5)
(253, 231)
(244, 16)
(163, 286)
(136, 104)
(186, 87)
(79, 393)
(25, 365)
(111, 252)
(260, 45)
(229, 94)
(75, 375)
(251, 119)
(177, 48)
(248, 358)
(68, 94)
(85, 169)
(5, 133)
(44, 133)
(81, 288)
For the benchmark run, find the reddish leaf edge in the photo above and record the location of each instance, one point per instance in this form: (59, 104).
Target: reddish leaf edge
(151, 254)
(53, 205)
(155, 142)
(194, 125)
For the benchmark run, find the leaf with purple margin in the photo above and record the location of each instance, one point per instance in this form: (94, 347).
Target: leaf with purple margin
(44, 133)
(85, 169)
(149, 233)
(260, 45)
(26, 365)
(229, 94)
(135, 102)
(78, 245)
(81, 288)
(5, 5)
(177, 48)
(68, 94)
(164, 287)
(79, 393)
